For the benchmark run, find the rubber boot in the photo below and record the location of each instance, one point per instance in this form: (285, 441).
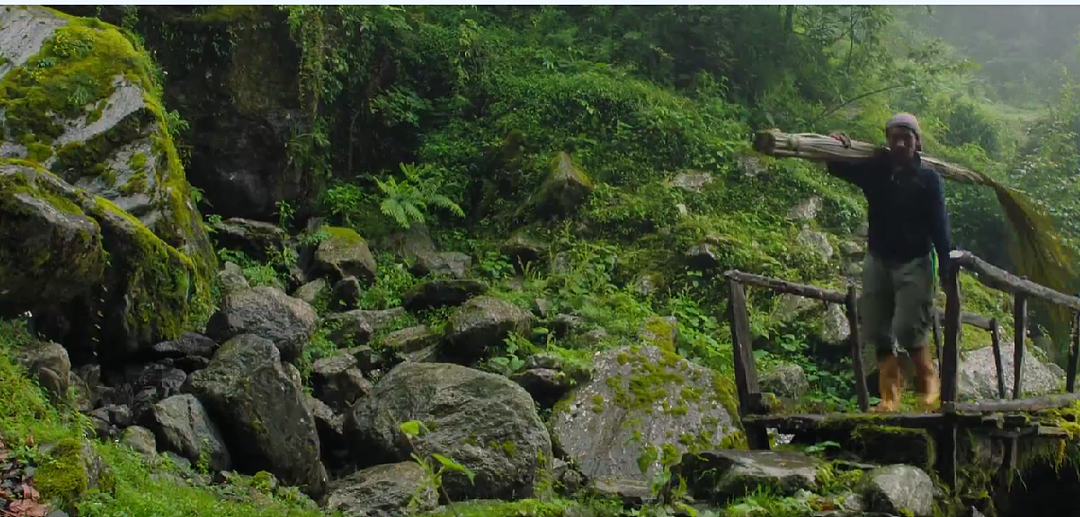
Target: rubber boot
(889, 383)
(927, 383)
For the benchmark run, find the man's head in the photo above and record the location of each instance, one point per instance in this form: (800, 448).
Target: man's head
(902, 134)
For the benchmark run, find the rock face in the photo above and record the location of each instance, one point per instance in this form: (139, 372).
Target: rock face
(899, 489)
(343, 254)
(978, 375)
(265, 420)
(484, 421)
(181, 425)
(269, 313)
(110, 142)
(390, 490)
(721, 475)
(482, 322)
(641, 401)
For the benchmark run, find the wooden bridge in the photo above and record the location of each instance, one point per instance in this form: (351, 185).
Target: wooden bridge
(1002, 419)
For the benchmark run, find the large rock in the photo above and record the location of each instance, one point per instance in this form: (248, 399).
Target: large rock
(691, 180)
(343, 254)
(721, 475)
(449, 264)
(899, 490)
(816, 242)
(50, 250)
(523, 249)
(181, 425)
(482, 420)
(269, 313)
(338, 382)
(266, 423)
(641, 402)
(484, 322)
(565, 189)
(391, 490)
(189, 352)
(355, 327)
(48, 362)
(978, 374)
(786, 380)
(441, 293)
(247, 236)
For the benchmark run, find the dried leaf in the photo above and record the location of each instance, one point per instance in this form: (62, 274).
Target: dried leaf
(29, 492)
(24, 508)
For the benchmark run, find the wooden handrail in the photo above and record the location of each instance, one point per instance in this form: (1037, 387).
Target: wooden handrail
(997, 278)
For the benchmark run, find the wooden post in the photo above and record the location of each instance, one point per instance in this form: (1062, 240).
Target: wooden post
(851, 304)
(746, 379)
(937, 337)
(950, 361)
(995, 340)
(1020, 320)
(1074, 354)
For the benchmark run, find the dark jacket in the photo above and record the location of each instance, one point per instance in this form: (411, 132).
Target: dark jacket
(906, 208)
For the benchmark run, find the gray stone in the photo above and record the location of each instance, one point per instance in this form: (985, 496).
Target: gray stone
(232, 280)
(484, 322)
(648, 283)
(786, 380)
(346, 294)
(269, 313)
(390, 490)
(834, 325)
(702, 256)
(815, 241)
(482, 420)
(633, 493)
(546, 386)
(311, 291)
(978, 374)
(448, 264)
(49, 363)
(852, 249)
(343, 254)
(249, 237)
(356, 327)
(564, 190)
(722, 475)
(691, 181)
(266, 423)
(182, 425)
(337, 381)
(523, 249)
(805, 210)
(410, 339)
(789, 307)
(140, 439)
(899, 489)
(437, 293)
(605, 425)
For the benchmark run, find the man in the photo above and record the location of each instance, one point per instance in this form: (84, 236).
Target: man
(907, 220)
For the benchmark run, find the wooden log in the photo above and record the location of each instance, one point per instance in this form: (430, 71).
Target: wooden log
(971, 319)
(851, 306)
(995, 342)
(997, 278)
(946, 452)
(1074, 354)
(783, 286)
(1029, 405)
(812, 422)
(1020, 319)
(937, 335)
(746, 379)
(950, 357)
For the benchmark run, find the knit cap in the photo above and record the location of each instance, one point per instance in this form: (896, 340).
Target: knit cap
(906, 120)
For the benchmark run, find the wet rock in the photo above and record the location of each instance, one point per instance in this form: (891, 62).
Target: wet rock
(311, 291)
(722, 475)
(189, 352)
(546, 386)
(633, 493)
(355, 327)
(266, 424)
(343, 254)
(331, 429)
(232, 280)
(182, 425)
(346, 294)
(786, 381)
(269, 313)
(247, 236)
(391, 490)
(639, 401)
(484, 322)
(140, 439)
(448, 264)
(899, 489)
(48, 362)
(482, 420)
(410, 339)
(442, 293)
(338, 382)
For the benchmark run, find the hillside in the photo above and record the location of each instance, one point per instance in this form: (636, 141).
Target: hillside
(383, 261)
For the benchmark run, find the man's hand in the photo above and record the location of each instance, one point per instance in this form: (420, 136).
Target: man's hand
(842, 138)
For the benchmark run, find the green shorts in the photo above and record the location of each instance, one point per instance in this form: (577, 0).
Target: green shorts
(897, 304)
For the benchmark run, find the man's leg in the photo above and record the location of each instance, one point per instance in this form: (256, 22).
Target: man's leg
(876, 311)
(912, 326)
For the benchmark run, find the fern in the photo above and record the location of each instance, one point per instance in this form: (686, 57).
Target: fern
(407, 202)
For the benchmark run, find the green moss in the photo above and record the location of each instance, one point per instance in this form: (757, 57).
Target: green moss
(647, 458)
(63, 475)
(39, 152)
(888, 444)
(343, 236)
(137, 162)
(135, 185)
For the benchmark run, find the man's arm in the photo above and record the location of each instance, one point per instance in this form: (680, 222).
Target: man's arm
(940, 229)
(852, 172)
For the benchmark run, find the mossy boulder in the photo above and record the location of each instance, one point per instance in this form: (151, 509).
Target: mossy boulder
(391, 490)
(182, 425)
(643, 409)
(149, 291)
(722, 475)
(71, 469)
(50, 250)
(345, 253)
(482, 420)
(269, 313)
(565, 189)
(483, 322)
(87, 106)
(247, 236)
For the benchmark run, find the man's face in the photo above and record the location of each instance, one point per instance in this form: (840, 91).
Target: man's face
(901, 144)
